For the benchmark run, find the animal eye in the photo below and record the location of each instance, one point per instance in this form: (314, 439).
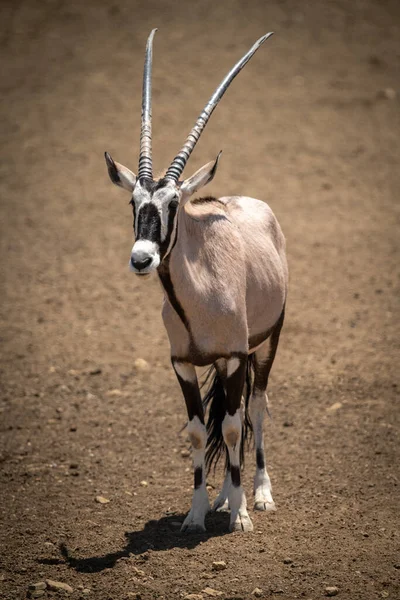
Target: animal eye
(173, 204)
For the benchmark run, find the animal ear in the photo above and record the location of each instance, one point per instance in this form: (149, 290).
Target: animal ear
(201, 177)
(119, 174)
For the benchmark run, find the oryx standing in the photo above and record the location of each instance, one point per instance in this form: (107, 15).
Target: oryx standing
(223, 268)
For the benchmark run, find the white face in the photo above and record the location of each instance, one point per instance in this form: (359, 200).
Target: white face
(155, 209)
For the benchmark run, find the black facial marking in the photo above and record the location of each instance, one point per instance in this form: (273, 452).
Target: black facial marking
(260, 459)
(172, 210)
(235, 475)
(149, 223)
(152, 186)
(198, 477)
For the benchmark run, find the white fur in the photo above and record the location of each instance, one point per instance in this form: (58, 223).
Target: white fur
(262, 483)
(151, 249)
(200, 503)
(187, 372)
(232, 431)
(232, 365)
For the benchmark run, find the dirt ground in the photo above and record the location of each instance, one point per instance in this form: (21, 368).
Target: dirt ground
(312, 126)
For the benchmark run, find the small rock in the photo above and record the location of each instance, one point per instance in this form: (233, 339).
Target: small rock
(36, 593)
(193, 597)
(331, 590)
(185, 453)
(40, 585)
(385, 594)
(102, 500)
(144, 483)
(334, 407)
(55, 586)
(211, 592)
(141, 365)
(97, 371)
(219, 565)
(288, 423)
(86, 591)
(387, 94)
(114, 393)
(257, 592)
(287, 561)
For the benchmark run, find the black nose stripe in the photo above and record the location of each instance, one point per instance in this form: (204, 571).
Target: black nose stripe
(149, 223)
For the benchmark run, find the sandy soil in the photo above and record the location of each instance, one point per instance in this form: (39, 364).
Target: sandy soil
(310, 127)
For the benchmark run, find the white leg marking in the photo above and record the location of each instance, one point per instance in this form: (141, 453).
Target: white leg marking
(194, 521)
(221, 503)
(232, 431)
(232, 365)
(186, 371)
(262, 483)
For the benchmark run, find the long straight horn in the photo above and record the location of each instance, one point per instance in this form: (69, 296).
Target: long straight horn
(145, 157)
(180, 160)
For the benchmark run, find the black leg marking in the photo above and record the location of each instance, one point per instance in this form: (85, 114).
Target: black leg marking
(260, 459)
(191, 393)
(263, 369)
(234, 386)
(235, 475)
(198, 477)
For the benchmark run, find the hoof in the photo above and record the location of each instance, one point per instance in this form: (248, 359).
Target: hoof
(242, 523)
(192, 528)
(265, 506)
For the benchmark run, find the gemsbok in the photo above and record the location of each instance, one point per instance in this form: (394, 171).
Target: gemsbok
(222, 265)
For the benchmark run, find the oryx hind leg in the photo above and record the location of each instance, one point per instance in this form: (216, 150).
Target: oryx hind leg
(232, 434)
(263, 361)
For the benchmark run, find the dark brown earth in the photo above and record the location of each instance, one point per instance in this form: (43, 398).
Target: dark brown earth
(312, 126)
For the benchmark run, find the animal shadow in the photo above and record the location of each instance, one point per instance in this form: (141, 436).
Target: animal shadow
(163, 534)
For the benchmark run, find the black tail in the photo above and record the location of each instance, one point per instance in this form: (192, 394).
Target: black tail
(214, 401)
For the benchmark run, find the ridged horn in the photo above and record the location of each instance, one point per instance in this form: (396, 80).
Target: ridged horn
(180, 160)
(145, 156)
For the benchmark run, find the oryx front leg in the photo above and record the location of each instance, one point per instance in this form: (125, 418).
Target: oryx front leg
(197, 433)
(232, 433)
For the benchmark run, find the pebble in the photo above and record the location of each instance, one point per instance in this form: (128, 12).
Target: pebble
(287, 561)
(185, 453)
(193, 597)
(55, 586)
(387, 94)
(331, 590)
(144, 483)
(219, 565)
(114, 393)
(211, 592)
(334, 407)
(257, 592)
(36, 593)
(141, 365)
(102, 500)
(40, 585)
